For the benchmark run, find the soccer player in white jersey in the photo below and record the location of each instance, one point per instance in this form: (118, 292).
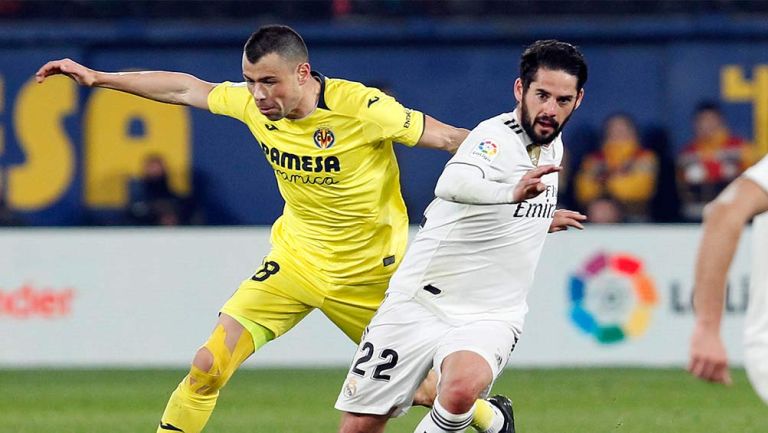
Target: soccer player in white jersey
(457, 303)
(744, 199)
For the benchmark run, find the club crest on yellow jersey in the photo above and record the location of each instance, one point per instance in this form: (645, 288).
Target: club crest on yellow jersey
(324, 137)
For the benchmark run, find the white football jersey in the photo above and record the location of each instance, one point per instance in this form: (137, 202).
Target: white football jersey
(476, 262)
(756, 323)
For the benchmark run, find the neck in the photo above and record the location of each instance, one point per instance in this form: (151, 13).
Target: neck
(309, 100)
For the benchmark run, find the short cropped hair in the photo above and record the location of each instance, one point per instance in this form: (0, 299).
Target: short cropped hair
(708, 106)
(279, 39)
(553, 55)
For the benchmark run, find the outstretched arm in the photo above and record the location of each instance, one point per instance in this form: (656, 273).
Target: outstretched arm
(438, 135)
(724, 219)
(169, 87)
(463, 183)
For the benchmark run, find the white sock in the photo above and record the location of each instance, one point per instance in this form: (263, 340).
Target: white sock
(439, 420)
(498, 421)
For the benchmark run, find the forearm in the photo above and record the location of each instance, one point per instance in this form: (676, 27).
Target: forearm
(721, 232)
(463, 183)
(441, 136)
(168, 87)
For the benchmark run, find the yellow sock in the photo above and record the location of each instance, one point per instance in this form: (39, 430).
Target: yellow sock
(483, 417)
(187, 411)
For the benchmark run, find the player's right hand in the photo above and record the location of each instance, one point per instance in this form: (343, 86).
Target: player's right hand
(70, 68)
(708, 359)
(530, 185)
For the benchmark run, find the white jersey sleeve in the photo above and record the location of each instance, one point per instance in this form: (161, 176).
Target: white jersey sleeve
(759, 173)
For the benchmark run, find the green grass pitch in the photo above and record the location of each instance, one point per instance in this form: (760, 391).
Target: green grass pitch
(299, 401)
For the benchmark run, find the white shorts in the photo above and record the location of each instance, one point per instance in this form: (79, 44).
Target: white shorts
(756, 363)
(402, 343)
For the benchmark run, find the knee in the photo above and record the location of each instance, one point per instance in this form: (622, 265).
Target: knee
(207, 376)
(458, 396)
(203, 359)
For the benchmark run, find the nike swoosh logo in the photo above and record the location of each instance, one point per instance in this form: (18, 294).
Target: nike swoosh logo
(372, 101)
(170, 427)
(271, 127)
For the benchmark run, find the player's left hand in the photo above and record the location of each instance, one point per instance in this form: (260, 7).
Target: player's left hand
(565, 218)
(708, 359)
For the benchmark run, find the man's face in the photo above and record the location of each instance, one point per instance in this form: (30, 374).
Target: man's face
(707, 124)
(275, 84)
(547, 104)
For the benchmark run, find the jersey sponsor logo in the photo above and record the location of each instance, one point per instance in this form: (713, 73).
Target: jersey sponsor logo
(486, 150)
(323, 137)
(306, 179)
(270, 127)
(612, 297)
(407, 123)
(290, 161)
(372, 101)
(529, 209)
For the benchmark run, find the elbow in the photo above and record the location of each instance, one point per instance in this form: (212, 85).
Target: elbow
(722, 213)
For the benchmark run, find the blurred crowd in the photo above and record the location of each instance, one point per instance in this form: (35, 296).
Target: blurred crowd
(631, 176)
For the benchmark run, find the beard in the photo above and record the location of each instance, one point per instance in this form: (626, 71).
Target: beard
(528, 125)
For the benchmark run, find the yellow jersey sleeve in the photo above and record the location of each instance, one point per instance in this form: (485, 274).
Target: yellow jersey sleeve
(229, 99)
(396, 123)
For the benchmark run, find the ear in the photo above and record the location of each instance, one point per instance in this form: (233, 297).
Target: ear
(519, 90)
(579, 98)
(304, 72)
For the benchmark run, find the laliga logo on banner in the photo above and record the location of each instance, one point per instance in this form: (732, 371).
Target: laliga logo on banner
(28, 302)
(612, 298)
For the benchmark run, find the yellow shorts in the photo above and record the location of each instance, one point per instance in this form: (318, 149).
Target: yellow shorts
(283, 291)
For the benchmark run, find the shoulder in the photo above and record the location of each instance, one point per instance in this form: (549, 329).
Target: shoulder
(351, 97)
(503, 127)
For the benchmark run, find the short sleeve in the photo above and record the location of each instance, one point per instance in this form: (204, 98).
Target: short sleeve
(397, 123)
(229, 99)
(759, 173)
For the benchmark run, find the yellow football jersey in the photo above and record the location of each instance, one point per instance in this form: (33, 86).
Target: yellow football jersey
(344, 215)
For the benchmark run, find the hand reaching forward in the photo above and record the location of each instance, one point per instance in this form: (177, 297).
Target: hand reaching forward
(530, 184)
(708, 359)
(70, 68)
(565, 218)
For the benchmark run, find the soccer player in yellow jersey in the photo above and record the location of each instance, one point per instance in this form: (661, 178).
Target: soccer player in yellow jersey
(344, 227)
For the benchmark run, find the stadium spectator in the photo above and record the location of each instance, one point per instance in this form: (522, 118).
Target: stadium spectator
(469, 308)
(605, 210)
(8, 217)
(344, 228)
(621, 171)
(152, 201)
(714, 158)
(744, 199)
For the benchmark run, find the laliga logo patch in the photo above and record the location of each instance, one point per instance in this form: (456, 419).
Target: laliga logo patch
(486, 150)
(612, 297)
(324, 137)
